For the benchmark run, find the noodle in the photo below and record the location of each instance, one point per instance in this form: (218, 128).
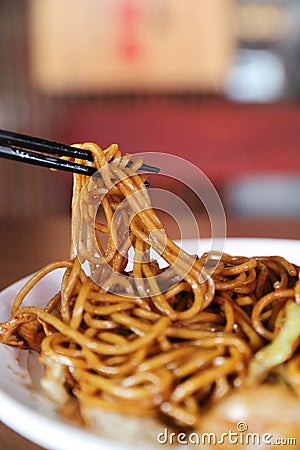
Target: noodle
(122, 341)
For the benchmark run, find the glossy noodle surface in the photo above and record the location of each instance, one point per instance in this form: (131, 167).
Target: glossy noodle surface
(119, 342)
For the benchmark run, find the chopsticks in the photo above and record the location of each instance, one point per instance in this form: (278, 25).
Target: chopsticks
(36, 151)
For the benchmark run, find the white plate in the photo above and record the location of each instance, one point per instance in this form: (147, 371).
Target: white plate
(24, 407)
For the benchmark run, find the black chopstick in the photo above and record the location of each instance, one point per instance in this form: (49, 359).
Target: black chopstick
(23, 141)
(39, 159)
(20, 144)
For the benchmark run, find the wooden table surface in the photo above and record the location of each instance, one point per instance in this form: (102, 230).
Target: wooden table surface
(26, 246)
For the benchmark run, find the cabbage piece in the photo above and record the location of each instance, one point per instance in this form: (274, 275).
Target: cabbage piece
(280, 349)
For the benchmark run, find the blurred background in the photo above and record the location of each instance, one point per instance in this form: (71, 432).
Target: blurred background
(216, 82)
(213, 81)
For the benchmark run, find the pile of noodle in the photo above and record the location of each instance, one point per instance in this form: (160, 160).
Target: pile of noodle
(171, 355)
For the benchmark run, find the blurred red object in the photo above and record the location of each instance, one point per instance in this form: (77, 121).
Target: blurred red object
(225, 140)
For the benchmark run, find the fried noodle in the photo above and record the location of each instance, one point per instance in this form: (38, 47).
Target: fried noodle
(170, 355)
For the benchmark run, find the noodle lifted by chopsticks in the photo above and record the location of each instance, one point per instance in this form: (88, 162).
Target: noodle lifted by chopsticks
(126, 345)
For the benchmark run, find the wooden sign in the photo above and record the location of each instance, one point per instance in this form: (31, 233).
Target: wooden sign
(95, 46)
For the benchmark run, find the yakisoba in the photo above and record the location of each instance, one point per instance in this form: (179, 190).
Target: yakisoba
(121, 341)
